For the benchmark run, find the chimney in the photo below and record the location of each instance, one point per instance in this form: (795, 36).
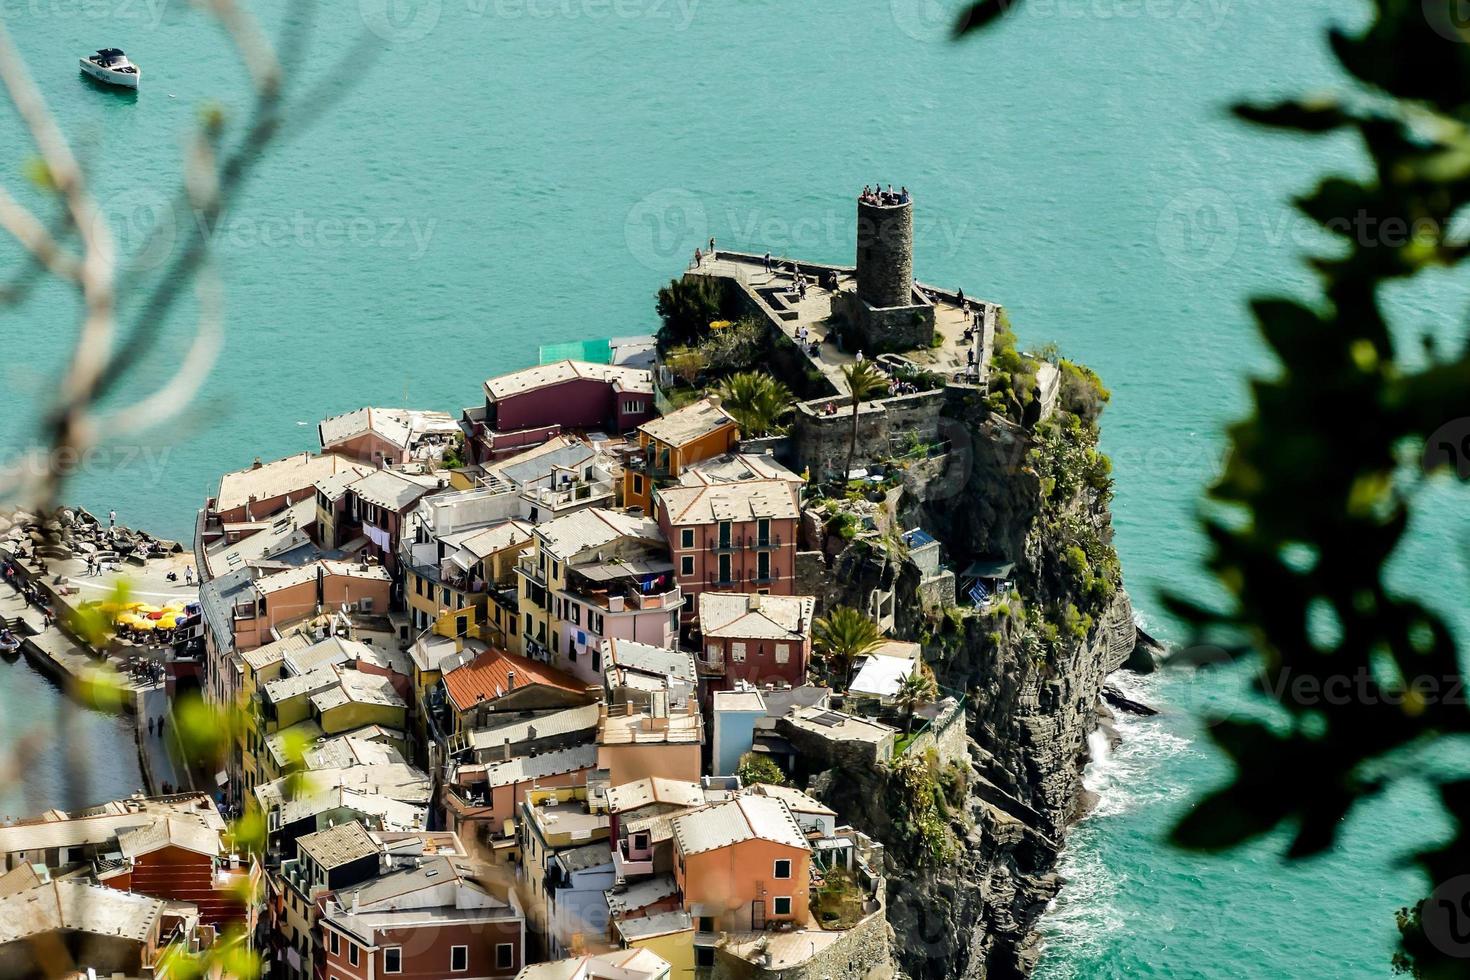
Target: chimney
(754, 603)
(510, 681)
(714, 399)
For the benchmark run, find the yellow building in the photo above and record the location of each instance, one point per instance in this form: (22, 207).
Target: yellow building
(470, 566)
(669, 935)
(259, 667)
(295, 691)
(668, 445)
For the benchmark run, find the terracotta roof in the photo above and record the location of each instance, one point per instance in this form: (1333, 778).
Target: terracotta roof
(684, 425)
(736, 821)
(487, 678)
(273, 479)
(546, 375)
(709, 504)
(742, 615)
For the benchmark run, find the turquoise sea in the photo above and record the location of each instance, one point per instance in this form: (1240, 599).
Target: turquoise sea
(495, 175)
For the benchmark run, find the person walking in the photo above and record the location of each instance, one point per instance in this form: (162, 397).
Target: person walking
(189, 575)
(161, 719)
(150, 726)
(112, 518)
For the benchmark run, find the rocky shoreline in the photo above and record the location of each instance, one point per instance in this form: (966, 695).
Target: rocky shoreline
(1033, 699)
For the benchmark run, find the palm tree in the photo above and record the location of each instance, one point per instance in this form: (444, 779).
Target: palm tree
(915, 691)
(863, 382)
(756, 401)
(844, 635)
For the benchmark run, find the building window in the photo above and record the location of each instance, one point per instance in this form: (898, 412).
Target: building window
(724, 569)
(459, 959)
(712, 654)
(763, 531)
(737, 652)
(782, 906)
(724, 534)
(783, 653)
(393, 957)
(352, 954)
(763, 565)
(637, 486)
(505, 956)
(686, 565)
(597, 660)
(334, 943)
(686, 537)
(783, 869)
(704, 956)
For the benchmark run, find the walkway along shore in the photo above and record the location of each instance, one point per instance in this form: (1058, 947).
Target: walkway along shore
(67, 660)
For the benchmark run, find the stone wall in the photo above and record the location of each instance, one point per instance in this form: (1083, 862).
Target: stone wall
(946, 735)
(879, 330)
(820, 441)
(863, 952)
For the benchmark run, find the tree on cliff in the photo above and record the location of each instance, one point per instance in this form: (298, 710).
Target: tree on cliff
(757, 767)
(686, 307)
(915, 691)
(842, 636)
(756, 401)
(864, 381)
(1318, 491)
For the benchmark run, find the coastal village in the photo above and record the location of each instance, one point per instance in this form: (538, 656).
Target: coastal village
(562, 685)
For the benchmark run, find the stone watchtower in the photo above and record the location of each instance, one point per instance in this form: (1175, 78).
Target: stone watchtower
(886, 313)
(885, 254)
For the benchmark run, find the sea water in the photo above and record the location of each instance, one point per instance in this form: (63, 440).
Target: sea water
(489, 176)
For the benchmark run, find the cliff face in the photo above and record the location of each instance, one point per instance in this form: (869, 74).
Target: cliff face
(1032, 668)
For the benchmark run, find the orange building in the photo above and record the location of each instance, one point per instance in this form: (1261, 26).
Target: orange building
(742, 864)
(668, 445)
(663, 740)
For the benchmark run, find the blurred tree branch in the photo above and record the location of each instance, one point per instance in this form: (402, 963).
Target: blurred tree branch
(1317, 494)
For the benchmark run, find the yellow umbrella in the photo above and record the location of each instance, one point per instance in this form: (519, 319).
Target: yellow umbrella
(129, 619)
(145, 624)
(720, 324)
(168, 622)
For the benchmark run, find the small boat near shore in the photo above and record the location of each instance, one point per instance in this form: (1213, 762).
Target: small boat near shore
(111, 66)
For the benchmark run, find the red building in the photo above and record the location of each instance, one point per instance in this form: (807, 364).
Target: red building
(731, 537)
(756, 638)
(178, 859)
(526, 408)
(427, 922)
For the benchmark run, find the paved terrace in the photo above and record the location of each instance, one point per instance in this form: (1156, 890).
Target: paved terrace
(814, 312)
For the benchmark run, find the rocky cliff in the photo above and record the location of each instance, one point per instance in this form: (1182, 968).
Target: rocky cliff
(973, 848)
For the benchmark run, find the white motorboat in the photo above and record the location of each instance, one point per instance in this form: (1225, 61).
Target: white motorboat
(110, 65)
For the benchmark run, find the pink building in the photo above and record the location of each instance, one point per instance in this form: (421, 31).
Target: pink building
(755, 638)
(388, 435)
(528, 407)
(731, 537)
